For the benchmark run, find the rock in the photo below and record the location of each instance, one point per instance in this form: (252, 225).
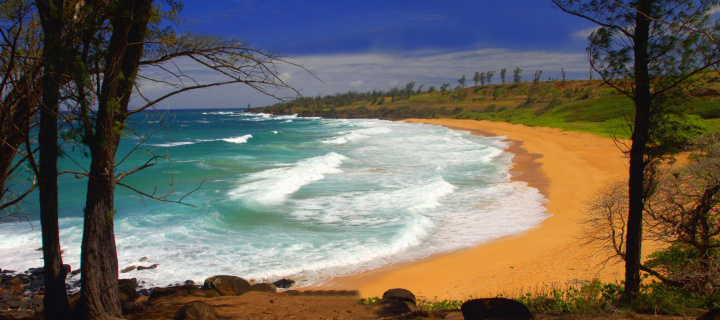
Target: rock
(284, 283)
(154, 266)
(183, 291)
(143, 259)
(500, 308)
(227, 285)
(128, 269)
(264, 287)
(390, 307)
(127, 288)
(713, 314)
(292, 293)
(196, 310)
(400, 294)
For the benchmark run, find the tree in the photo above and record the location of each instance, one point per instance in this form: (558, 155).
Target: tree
(431, 89)
(536, 79)
(681, 214)
(409, 88)
(420, 89)
(19, 87)
(517, 77)
(562, 71)
(94, 51)
(482, 78)
(476, 78)
(648, 50)
(461, 81)
(488, 76)
(444, 88)
(502, 75)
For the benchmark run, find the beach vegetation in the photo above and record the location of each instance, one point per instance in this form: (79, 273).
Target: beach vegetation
(648, 50)
(681, 215)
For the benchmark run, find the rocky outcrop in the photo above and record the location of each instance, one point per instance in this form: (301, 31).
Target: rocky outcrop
(184, 290)
(227, 285)
(495, 308)
(264, 287)
(284, 283)
(395, 302)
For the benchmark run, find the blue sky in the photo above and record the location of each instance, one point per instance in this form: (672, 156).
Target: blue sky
(365, 45)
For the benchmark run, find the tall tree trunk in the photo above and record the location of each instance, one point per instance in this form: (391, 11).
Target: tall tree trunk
(641, 129)
(55, 300)
(99, 296)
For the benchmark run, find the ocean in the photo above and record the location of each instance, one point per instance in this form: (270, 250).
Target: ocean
(287, 197)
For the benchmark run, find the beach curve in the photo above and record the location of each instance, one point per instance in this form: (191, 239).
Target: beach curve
(568, 168)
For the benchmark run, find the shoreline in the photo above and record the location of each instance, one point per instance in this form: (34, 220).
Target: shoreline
(567, 168)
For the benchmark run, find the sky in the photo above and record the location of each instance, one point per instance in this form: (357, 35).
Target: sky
(362, 45)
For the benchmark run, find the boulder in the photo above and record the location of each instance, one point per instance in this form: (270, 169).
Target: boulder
(490, 308)
(264, 287)
(400, 294)
(713, 314)
(128, 269)
(284, 283)
(390, 307)
(196, 310)
(227, 285)
(183, 291)
(154, 266)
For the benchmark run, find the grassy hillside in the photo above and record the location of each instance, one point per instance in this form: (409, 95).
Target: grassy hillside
(582, 105)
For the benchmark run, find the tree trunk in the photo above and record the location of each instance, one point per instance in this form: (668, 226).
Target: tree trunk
(99, 296)
(636, 184)
(55, 299)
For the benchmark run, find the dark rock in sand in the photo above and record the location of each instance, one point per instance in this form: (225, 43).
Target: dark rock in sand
(400, 294)
(127, 288)
(227, 285)
(390, 307)
(490, 308)
(713, 314)
(183, 291)
(196, 310)
(284, 283)
(263, 287)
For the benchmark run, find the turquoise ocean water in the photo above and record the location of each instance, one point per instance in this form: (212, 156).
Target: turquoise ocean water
(282, 196)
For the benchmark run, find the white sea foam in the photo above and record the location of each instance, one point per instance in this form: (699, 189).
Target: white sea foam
(172, 144)
(274, 185)
(241, 139)
(363, 199)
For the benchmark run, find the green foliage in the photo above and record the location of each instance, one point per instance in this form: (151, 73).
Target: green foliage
(704, 107)
(369, 300)
(440, 305)
(658, 298)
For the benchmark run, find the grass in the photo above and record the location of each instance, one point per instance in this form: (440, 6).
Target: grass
(593, 297)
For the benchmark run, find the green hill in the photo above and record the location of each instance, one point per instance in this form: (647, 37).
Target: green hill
(581, 105)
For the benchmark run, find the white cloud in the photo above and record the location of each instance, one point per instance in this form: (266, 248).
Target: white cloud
(584, 33)
(382, 71)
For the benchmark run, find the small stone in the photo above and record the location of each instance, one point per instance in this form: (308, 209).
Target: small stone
(128, 269)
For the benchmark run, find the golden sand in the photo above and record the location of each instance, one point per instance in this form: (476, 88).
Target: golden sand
(568, 167)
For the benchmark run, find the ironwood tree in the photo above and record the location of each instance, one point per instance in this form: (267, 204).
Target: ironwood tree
(648, 50)
(91, 57)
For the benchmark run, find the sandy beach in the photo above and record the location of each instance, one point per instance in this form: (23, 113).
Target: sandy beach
(567, 167)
